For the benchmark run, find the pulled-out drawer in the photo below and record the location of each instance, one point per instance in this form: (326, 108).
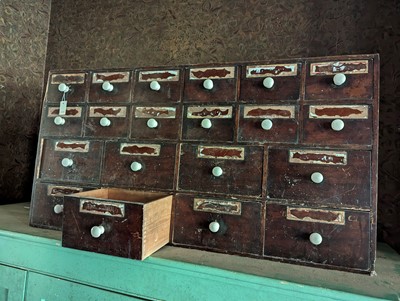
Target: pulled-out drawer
(110, 87)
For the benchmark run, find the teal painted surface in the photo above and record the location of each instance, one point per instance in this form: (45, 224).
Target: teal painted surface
(12, 283)
(153, 278)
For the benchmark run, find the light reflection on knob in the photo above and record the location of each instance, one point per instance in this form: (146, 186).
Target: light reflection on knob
(206, 123)
(208, 84)
(105, 121)
(339, 79)
(97, 231)
(214, 226)
(136, 166)
(107, 86)
(337, 125)
(268, 82)
(155, 85)
(266, 124)
(217, 171)
(66, 162)
(317, 177)
(152, 123)
(59, 120)
(58, 209)
(63, 88)
(315, 238)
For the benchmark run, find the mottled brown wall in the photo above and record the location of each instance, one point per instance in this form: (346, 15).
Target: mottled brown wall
(24, 28)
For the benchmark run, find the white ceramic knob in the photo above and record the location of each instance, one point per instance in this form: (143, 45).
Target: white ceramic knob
(58, 209)
(214, 226)
(97, 231)
(59, 120)
(152, 123)
(155, 85)
(268, 82)
(317, 177)
(339, 79)
(136, 166)
(266, 124)
(206, 123)
(66, 162)
(208, 84)
(337, 125)
(107, 86)
(63, 88)
(105, 121)
(217, 171)
(315, 238)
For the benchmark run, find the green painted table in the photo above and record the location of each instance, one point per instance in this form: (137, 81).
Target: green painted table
(34, 266)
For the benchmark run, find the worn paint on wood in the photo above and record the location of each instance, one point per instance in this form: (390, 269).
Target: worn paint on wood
(99, 207)
(343, 112)
(157, 112)
(55, 190)
(316, 215)
(212, 73)
(140, 149)
(209, 112)
(107, 112)
(115, 77)
(217, 206)
(69, 112)
(346, 67)
(220, 152)
(72, 146)
(159, 75)
(68, 78)
(268, 111)
(271, 70)
(318, 157)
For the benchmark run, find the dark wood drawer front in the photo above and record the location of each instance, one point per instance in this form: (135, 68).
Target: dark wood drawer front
(335, 124)
(266, 83)
(158, 86)
(221, 169)
(209, 123)
(141, 165)
(156, 123)
(358, 82)
(110, 87)
(73, 83)
(210, 84)
(68, 124)
(218, 224)
(71, 160)
(320, 176)
(268, 123)
(106, 121)
(343, 236)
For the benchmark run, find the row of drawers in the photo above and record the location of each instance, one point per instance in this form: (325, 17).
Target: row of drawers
(308, 175)
(321, 124)
(336, 80)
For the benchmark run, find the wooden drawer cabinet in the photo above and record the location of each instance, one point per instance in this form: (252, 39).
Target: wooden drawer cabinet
(110, 87)
(73, 84)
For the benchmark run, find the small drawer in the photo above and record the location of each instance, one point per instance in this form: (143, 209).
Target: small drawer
(71, 160)
(336, 80)
(124, 223)
(68, 124)
(156, 123)
(48, 204)
(209, 123)
(338, 124)
(318, 236)
(272, 82)
(211, 84)
(66, 86)
(107, 121)
(158, 86)
(226, 225)
(221, 169)
(111, 87)
(316, 176)
(140, 165)
(268, 123)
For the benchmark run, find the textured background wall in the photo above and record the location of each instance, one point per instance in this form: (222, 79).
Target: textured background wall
(23, 40)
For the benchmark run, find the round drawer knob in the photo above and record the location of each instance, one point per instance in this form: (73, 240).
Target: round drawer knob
(97, 231)
(268, 82)
(136, 166)
(59, 120)
(66, 162)
(152, 123)
(105, 121)
(206, 123)
(208, 84)
(107, 86)
(58, 209)
(317, 177)
(339, 79)
(337, 125)
(315, 238)
(217, 171)
(214, 226)
(266, 124)
(155, 85)
(63, 88)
